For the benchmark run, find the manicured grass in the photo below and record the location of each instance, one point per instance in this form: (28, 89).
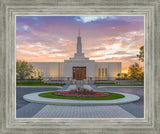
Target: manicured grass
(111, 97)
(37, 83)
(109, 83)
(61, 85)
(100, 85)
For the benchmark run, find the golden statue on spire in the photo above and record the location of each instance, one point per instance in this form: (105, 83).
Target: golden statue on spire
(79, 32)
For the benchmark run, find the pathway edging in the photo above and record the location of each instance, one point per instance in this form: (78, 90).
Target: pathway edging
(33, 97)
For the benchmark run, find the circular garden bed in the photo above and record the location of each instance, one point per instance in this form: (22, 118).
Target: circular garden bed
(82, 94)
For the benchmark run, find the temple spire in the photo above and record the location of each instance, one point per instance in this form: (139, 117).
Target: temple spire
(79, 55)
(79, 32)
(79, 45)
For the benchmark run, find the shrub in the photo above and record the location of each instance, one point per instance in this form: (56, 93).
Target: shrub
(104, 83)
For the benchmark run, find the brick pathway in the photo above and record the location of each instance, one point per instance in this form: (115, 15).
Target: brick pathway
(53, 111)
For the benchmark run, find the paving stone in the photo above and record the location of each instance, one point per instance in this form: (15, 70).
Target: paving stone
(53, 111)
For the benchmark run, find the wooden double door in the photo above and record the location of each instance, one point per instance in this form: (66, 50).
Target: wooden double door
(79, 73)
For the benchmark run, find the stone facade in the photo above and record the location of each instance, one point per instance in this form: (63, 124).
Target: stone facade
(107, 70)
(49, 69)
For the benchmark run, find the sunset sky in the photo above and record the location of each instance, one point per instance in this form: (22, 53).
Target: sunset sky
(104, 38)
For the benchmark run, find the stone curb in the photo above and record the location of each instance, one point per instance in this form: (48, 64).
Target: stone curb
(33, 97)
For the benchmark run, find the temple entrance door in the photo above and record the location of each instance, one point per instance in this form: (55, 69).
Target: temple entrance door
(79, 73)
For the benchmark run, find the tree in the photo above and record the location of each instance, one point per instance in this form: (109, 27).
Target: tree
(23, 69)
(141, 54)
(136, 72)
(124, 75)
(119, 75)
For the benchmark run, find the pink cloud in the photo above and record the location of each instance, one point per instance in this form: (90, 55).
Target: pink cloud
(56, 41)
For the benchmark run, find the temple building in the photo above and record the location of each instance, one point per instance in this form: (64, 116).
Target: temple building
(78, 67)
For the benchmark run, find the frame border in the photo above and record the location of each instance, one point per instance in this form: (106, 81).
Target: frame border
(151, 121)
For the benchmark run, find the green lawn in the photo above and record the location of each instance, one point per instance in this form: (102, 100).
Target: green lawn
(36, 83)
(111, 97)
(99, 85)
(40, 84)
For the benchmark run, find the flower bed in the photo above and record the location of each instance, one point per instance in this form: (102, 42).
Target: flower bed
(82, 93)
(56, 95)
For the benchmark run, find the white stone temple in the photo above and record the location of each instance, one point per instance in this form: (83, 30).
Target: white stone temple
(78, 67)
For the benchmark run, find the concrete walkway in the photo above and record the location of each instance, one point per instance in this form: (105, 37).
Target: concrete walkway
(70, 87)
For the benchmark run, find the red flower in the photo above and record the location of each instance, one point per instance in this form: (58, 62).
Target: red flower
(82, 93)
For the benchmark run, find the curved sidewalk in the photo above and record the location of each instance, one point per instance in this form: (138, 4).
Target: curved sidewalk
(33, 97)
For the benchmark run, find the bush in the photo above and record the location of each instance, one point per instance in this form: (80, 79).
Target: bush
(104, 83)
(28, 82)
(31, 82)
(122, 79)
